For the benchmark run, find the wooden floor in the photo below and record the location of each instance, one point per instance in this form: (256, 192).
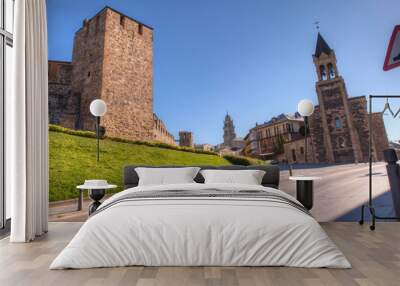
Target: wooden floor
(375, 257)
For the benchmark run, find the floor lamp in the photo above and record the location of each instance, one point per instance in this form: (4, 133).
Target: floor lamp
(98, 108)
(306, 108)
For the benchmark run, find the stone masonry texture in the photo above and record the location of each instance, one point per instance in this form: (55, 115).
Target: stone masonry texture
(113, 61)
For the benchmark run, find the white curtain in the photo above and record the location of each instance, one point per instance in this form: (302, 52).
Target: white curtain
(27, 124)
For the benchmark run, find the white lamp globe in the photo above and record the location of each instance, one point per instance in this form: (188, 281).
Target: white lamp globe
(98, 107)
(305, 107)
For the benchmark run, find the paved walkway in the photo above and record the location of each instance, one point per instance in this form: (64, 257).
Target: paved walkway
(342, 190)
(338, 195)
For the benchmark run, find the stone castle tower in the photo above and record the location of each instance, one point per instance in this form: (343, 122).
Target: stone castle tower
(229, 131)
(339, 125)
(112, 60)
(186, 139)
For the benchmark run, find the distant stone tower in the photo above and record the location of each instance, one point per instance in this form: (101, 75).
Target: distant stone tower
(112, 60)
(186, 139)
(229, 131)
(338, 121)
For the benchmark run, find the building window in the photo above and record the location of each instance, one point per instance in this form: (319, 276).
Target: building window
(322, 71)
(88, 74)
(338, 124)
(331, 70)
(341, 142)
(140, 30)
(301, 150)
(294, 155)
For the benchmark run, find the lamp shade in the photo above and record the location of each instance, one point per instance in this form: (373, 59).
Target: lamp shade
(305, 107)
(98, 107)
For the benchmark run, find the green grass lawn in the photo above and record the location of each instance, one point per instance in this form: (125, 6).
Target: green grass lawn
(73, 159)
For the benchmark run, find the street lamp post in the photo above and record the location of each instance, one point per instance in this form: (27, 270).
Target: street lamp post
(306, 108)
(98, 108)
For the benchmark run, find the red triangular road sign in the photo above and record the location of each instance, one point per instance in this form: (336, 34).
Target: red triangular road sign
(392, 59)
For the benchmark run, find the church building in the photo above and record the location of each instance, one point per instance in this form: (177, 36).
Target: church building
(339, 124)
(229, 131)
(231, 144)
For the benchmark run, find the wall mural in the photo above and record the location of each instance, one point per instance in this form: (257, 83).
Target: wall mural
(113, 60)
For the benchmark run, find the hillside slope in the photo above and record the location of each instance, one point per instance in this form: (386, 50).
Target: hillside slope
(73, 159)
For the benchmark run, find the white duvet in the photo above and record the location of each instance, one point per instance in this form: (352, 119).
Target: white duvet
(200, 231)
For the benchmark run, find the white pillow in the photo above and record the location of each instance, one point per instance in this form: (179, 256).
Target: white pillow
(248, 177)
(166, 176)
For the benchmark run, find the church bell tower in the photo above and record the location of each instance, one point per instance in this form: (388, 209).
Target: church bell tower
(229, 131)
(340, 138)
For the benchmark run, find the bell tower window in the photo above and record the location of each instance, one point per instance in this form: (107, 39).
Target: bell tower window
(332, 72)
(322, 71)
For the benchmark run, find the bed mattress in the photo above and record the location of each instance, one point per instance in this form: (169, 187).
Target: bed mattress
(201, 225)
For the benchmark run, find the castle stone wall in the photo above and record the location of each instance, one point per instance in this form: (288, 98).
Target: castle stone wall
(161, 133)
(59, 77)
(128, 78)
(112, 60)
(87, 61)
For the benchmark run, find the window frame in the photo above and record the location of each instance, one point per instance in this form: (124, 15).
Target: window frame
(338, 123)
(323, 72)
(6, 39)
(341, 142)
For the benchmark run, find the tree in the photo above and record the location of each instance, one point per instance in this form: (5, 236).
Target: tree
(279, 145)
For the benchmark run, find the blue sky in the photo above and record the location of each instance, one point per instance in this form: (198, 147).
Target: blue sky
(251, 58)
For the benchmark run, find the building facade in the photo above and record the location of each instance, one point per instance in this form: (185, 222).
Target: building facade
(204, 147)
(295, 151)
(267, 140)
(112, 60)
(339, 124)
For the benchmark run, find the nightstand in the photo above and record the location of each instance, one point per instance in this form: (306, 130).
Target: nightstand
(304, 190)
(97, 190)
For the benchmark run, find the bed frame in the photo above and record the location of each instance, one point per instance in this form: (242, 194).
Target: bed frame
(270, 179)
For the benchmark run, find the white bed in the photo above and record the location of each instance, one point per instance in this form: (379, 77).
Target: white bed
(202, 231)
